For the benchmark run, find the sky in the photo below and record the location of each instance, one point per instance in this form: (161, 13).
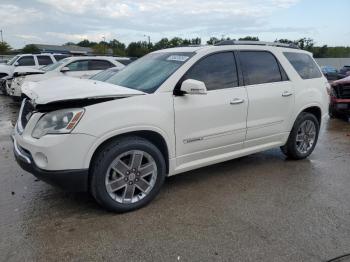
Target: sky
(60, 21)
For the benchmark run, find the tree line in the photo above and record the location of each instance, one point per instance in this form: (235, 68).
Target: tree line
(140, 48)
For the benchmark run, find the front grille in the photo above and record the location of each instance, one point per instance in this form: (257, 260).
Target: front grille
(343, 91)
(25, 113)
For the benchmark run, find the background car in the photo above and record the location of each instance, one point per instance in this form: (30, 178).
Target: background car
(106, 74)
(340, 98)
(344, 72)
(330, 72)
(29, 60)
(78, 66)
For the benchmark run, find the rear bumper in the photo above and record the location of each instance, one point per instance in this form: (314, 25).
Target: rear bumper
(71, 180)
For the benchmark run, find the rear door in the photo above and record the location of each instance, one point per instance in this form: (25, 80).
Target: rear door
(271, 97)
(208, 126)
(96, 66)
(44, 60)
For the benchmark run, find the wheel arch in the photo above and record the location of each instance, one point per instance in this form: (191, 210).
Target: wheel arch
(314, 109)
(153, 136)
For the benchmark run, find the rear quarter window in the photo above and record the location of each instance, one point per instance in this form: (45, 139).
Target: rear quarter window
(260, 67)
(304, 65)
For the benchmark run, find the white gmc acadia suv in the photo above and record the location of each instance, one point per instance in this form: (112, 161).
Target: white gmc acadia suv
(171, 111)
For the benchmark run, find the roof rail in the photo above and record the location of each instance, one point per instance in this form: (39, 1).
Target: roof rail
(277, 44)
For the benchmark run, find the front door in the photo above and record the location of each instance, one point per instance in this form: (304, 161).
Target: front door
(208, 126)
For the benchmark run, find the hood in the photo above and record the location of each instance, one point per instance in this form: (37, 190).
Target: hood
(65, 88)
(20, 70)
(36, 77)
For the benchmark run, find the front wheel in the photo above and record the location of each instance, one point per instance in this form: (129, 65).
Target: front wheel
(303, 137)
(127, 174)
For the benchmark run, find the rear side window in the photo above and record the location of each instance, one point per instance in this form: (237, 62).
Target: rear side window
(260, 67)
(44, 60)
(304, 65)
(217, 71)
(26, 61)
(60, 57)
(78, 65)
(99, 64)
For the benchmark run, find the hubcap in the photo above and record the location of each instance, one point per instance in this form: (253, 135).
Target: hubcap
(306, 136)
(131, 176)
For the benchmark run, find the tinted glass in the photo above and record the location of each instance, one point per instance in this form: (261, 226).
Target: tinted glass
(26, 61)
(99, 64)
(44, 60)
(217, 71)
(79, 65)
(13, 60)
(105, 74)
(125, 62)
(149, 72)
(60, 57)
(260, 67)
(304, 65)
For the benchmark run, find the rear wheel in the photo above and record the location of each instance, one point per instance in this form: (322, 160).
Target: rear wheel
(303, 137)
(127, 174)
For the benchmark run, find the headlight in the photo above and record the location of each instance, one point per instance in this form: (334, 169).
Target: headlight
(18, 80)
(58, 122)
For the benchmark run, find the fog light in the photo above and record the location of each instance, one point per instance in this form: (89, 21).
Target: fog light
(40, 160)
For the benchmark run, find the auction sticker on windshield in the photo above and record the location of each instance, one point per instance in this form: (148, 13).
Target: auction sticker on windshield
(180, 58)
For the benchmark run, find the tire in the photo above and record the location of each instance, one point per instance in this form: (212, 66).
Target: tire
(331, 112)
(294, 148)
(116, 185)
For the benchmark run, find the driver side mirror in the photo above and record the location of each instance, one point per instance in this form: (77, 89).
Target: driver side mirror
(193, 87)
(65, 69)
(16, 64)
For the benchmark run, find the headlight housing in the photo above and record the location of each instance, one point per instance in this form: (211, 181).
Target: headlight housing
(58, 122)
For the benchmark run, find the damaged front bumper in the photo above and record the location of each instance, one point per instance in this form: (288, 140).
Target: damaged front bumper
(71, 180)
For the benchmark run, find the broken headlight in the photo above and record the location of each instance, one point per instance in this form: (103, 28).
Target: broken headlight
(58, 122)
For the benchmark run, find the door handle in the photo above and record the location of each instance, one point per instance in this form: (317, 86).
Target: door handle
(236, 101)
(286, 93)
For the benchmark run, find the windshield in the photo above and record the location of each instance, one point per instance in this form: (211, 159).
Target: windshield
(53, 66)
(149, 72)
(104, 75)
(13, 60)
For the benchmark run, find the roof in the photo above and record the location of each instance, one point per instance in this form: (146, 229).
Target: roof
(64, 48)
(182, 49)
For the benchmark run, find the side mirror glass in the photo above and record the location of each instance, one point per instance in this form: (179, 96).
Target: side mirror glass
(65, 69)
(16, 64)
(193, 87)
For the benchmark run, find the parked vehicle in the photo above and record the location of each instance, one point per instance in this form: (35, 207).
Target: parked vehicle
(105, 74)
(28, 60)
(340, 98)
(330, 72)
(169, 112)
(79, 66)
(344, 72)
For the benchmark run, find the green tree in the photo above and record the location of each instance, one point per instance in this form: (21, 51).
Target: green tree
(117, 47)
(86, 43)
(305, 43)
(4, 48)
(161, 44)
(249, 38)
(100, 49)
(137, 49)
(30, 49)
(213, 41)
